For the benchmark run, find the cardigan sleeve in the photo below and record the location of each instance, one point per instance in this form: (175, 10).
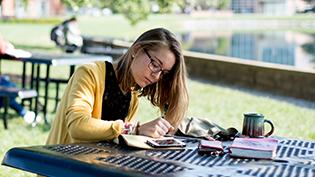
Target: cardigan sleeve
(80, 123)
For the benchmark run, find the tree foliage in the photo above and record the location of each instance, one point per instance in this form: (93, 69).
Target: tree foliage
(165, 5)
(138, 10)
(76, 4)
(223, 4)
(134, 11)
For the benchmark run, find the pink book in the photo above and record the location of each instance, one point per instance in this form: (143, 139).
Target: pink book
(260, 148)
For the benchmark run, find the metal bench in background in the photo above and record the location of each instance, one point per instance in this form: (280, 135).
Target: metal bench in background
(7, 92)
(102, 46)
(294, 158)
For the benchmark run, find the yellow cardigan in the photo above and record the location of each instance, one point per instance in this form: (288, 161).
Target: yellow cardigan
(78, 118)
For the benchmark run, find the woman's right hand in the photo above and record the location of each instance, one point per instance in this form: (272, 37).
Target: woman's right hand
(156, 128)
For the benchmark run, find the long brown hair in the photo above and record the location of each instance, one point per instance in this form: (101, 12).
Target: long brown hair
(169, 92)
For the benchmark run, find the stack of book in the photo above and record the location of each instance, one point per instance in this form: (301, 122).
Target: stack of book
(258, 148)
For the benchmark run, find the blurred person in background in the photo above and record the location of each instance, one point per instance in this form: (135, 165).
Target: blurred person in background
(6, 48)
(67, 35)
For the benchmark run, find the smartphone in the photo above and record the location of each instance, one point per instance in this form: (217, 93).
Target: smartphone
(210, 147)
(163, 143)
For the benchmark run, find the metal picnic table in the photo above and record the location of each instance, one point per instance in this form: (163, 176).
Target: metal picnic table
(52, 60)
(294, 158)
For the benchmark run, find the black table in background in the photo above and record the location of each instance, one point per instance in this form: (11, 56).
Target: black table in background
(36, 60)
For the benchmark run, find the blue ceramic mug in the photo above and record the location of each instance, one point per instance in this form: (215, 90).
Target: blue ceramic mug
(254, 125)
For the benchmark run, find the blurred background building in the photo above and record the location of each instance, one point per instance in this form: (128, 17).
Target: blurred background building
(272, 7)
(47, 8)
(31, 8)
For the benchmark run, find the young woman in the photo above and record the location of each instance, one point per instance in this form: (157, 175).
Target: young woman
(101, 98)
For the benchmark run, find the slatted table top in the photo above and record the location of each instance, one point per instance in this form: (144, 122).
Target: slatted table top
(294, 158)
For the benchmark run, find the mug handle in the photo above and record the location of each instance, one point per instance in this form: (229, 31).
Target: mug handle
(272, 128)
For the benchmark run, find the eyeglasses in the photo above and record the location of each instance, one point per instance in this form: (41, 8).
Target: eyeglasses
(154, 66)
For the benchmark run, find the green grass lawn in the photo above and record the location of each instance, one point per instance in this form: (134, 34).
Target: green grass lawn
(221, 104)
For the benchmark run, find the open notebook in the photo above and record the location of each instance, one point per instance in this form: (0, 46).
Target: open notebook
(141, 142)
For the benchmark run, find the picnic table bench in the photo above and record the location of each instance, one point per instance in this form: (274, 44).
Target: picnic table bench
(7, 92)
(294, 158)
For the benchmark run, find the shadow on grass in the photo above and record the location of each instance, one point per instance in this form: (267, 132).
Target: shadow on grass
(11, 115)
(34, 47)
(44, 127)
(291, 100)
